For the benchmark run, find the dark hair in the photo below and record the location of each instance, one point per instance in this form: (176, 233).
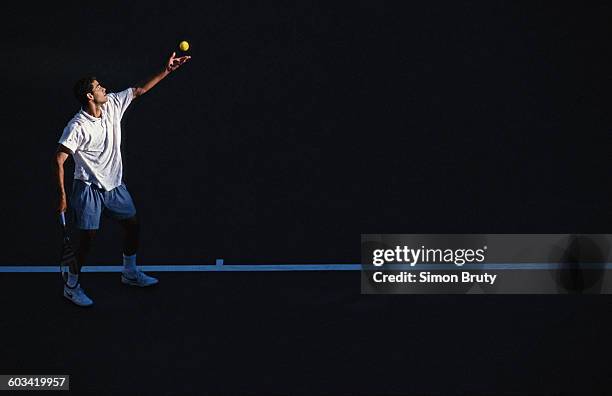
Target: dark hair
(82, 88)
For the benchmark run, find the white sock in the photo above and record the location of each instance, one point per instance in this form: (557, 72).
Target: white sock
(73, 279)
(129, 263)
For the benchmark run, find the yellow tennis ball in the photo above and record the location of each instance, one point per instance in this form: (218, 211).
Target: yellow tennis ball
(184, 45)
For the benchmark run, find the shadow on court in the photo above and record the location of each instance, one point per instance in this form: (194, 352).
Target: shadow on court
(300, 333)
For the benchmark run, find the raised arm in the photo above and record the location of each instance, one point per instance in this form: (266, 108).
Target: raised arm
(172, 64)
(61, 155)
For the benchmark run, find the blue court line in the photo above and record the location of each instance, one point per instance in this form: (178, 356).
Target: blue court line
(220, 267)
(195, 268)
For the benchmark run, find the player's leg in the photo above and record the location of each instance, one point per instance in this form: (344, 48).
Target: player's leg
(85, 242)
(131, 230)
(86, 204)
(118, 204)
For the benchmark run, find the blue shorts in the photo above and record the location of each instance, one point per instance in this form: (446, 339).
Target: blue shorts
(88, 202)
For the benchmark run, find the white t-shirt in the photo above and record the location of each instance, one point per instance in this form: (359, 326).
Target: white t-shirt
(95, 142)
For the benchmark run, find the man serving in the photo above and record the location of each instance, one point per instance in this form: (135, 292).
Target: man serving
(93, 138)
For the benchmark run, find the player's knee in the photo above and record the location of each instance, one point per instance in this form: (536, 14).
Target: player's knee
(86, 239)
(131, 225)
(88, 235)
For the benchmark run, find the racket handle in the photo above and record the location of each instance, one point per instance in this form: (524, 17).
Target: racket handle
(63, 219)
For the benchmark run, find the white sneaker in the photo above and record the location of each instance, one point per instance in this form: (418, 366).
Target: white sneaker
(77, 296)
(137, 278)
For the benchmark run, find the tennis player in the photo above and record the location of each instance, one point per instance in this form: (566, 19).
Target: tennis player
(93, 138)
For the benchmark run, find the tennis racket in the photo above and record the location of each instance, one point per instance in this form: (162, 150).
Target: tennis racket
(67, 258)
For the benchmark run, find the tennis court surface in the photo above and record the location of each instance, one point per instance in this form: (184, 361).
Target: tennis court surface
(300, 332)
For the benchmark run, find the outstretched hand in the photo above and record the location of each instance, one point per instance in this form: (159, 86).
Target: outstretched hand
(174, 63)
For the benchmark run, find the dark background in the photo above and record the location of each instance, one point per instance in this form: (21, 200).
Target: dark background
(295, 128)
(298, 126)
